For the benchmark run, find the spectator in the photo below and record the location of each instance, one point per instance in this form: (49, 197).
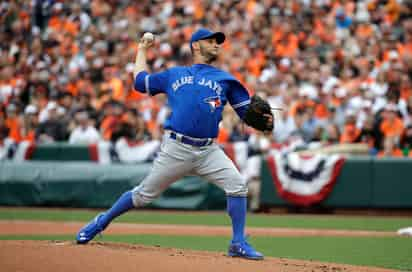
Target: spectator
(367, 133)
(406, 141)
(83, 102)
(30, 124)
(390, 148)
(132, 128)
(4, 131)
(84, 132)
(112, 119)
(350, 133)
(391, 126)
(284, 126)
(343, 22)
(309, 125)
(52, 129)
(327, 135)
(13, 123)
(5, 141)
(44, 115)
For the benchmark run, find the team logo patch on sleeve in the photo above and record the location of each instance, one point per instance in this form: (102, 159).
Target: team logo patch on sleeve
(214, 102)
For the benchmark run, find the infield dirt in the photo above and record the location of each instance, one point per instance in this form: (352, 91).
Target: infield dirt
(52, 256)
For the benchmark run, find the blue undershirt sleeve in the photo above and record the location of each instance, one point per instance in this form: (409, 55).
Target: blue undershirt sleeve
(238, 98)
(151, 83)
(241, 111)
(139, 82)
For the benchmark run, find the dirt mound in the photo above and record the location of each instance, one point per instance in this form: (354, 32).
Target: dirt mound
(45, 256)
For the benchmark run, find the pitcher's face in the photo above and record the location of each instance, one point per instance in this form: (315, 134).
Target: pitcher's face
(209, 49)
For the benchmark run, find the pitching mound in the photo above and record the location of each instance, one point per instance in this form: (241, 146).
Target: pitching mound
(45, 256)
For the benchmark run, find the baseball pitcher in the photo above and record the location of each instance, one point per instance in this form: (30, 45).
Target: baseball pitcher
(196, 95)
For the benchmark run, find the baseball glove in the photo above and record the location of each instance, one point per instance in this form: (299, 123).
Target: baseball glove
(258, 114)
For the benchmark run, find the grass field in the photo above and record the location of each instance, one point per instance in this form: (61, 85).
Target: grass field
(217, 219)
(389, 252)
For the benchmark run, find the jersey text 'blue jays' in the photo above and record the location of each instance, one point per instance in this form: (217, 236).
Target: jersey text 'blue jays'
(196, 96)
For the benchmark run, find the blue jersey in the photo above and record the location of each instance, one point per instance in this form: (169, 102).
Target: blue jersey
(196, 97)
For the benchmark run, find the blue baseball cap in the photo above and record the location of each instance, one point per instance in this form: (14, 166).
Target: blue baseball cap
(203, 34)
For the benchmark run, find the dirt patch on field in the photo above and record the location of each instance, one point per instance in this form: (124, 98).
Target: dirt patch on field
(45, 256)
(42, 227)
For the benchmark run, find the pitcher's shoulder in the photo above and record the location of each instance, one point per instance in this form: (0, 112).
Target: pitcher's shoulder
(222, 75)
(177, 69)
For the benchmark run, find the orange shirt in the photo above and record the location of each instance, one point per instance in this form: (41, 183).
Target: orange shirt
(30, 136)
(118, 89)
(364, 31)
(134, 96)
(350, 134)
(321, 111)
(393, 10)
(277, 34)
(395, 153)
(199, 12)
(14, 128)
(85, 86)
(107, 126)
(392, 129)
(172, 22)
(406, 93)
(255, 64)
(404, 48)
(55, 23)
(223, 136)
(288, 49)
(73, 88)
(301, 105)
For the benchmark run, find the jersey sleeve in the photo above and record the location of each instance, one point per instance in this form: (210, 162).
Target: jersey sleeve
(238, 97)
(152, 83)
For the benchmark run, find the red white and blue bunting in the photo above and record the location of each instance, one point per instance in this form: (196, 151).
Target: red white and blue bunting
(304, 180)
(123, 151)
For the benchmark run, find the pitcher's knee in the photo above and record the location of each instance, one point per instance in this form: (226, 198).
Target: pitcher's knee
(236, 187)
(141, 198)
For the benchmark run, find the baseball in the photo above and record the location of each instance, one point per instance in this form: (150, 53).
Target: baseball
(148, 36)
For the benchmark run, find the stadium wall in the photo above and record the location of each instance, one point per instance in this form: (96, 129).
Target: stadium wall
(364, 182)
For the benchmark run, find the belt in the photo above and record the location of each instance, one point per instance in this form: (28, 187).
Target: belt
(189, 140)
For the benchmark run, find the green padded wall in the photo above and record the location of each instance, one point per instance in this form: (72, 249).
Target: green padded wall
(392, 183)
(86, 184)
(49, 152)
(353, 187)
(268, 194)
(60, 152)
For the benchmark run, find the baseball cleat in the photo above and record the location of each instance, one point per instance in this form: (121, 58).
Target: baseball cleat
(89, 231)
(244, 250)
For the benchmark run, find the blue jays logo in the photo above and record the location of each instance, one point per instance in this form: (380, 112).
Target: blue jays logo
(214, 102)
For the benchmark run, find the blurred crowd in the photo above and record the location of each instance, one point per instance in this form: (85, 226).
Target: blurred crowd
(340, 70)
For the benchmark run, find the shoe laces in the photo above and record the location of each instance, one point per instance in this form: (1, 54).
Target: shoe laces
(245, 244)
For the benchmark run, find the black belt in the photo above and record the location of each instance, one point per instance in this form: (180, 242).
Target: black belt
(190, 141)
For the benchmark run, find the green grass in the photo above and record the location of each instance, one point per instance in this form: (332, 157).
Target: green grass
(389, 252)
(217, 219)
